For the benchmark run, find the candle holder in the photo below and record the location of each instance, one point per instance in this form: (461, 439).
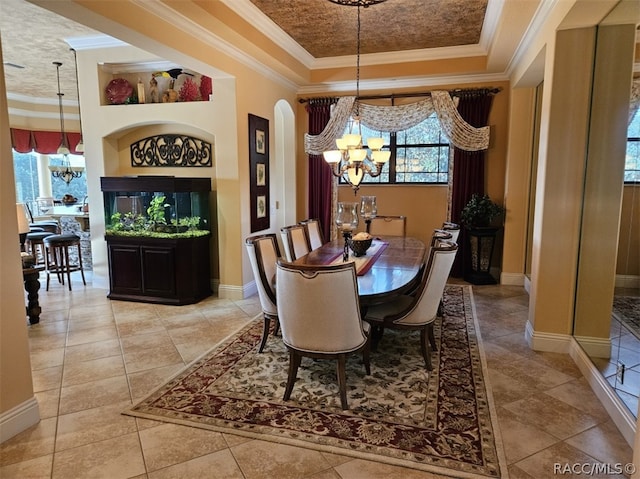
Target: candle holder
(368, 210)
(347, 221)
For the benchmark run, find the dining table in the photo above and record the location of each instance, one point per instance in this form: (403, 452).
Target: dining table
(389, 268)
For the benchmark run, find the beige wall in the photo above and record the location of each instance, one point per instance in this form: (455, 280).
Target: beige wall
(18, 408)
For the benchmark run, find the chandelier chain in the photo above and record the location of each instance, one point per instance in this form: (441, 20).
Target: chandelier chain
(60, 95)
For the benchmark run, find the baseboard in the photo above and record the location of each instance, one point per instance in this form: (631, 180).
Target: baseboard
(512, 279)
(627, 281)
(527, 284)
(549, 342)
(595, 347)
(227, 291)
(19, 418)
(620, 414)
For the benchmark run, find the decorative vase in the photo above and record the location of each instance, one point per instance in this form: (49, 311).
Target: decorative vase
(347, 221)
(368, 210)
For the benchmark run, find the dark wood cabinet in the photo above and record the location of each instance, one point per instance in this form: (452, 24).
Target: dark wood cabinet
(158, 236)
(155, 270)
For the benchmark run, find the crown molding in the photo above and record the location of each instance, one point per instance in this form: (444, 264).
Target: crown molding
(19, 112)
(39, 100)
(90, 42)
(247, 10)
(183, 23)
(397, 84)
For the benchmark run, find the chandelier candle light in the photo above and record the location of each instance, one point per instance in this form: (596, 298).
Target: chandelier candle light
(65, 172)
(351, 160)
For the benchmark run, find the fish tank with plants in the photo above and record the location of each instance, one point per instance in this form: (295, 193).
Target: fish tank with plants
(156, 206)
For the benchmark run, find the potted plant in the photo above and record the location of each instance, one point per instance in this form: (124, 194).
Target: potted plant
(480, 211)
(478, 217)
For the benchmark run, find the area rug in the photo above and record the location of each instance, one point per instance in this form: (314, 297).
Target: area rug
(627, 310)
(441, 421)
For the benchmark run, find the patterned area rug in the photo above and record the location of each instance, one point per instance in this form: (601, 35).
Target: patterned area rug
(627, 310)
(400, 414)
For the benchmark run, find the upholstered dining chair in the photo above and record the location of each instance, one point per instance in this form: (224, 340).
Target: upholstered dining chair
(452, 228)
(295, 241)
(388, 226)
(420, 311)
(319, 314)
(263, 251)
(314, 232)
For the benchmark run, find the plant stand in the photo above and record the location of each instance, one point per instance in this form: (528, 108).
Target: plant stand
(482, 242)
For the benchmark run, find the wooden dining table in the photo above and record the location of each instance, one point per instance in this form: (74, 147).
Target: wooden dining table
(392, 272)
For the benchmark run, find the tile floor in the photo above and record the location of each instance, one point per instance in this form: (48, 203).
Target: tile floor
(626, 349)
(92, 357)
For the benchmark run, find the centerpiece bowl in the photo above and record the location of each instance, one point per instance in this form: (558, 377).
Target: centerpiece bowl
(360, 243)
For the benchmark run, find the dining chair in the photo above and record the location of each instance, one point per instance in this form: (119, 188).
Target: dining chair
(295, 241)
(420, 311)
(319, 312)
(452, 228)
(263, 251)
(314, 232)
(388, 226)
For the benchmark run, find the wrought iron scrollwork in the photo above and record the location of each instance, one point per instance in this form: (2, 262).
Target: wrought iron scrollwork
(171, 150)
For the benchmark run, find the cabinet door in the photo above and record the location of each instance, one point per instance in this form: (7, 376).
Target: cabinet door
(159, 271)
(124, 266)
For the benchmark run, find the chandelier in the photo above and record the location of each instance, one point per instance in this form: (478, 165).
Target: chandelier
(64, 172)
(351, 161)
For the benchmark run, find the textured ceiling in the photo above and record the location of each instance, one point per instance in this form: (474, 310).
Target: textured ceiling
(34, 37)
(326, 29)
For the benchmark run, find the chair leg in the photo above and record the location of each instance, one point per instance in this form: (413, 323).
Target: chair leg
(366, 355)
(432, 338)
(294, 363)
(64, 253)
(276, 328)
(376, 336)
(80, 264)
(265, 332)
(424, 345)
(342, 380)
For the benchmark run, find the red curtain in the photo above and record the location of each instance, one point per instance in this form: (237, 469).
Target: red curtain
(43, 142)
(468, 170)
(320, 176)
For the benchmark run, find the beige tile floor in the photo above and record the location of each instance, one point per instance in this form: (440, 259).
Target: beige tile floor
(92, 357)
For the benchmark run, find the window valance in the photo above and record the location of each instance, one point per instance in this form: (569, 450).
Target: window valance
(397, 118)
(43, 142)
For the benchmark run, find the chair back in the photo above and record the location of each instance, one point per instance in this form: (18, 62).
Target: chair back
(263, 254)
(388, 226)
(314, 233)
(452, 228)
(319, 308)
(440, 235)
(427, 299)
(295, 241)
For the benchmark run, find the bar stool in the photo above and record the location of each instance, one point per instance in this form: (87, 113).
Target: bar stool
(50, 226)
(35, 244)
(57, 257)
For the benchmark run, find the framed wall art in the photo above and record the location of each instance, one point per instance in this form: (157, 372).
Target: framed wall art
(259, 172)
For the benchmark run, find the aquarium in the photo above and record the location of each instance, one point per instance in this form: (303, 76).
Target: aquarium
(156, 206)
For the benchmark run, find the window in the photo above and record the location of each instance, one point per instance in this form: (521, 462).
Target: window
(632, 158)
(419, 155)
(25, 167)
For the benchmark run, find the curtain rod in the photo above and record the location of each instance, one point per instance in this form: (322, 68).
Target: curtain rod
(454, 92)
